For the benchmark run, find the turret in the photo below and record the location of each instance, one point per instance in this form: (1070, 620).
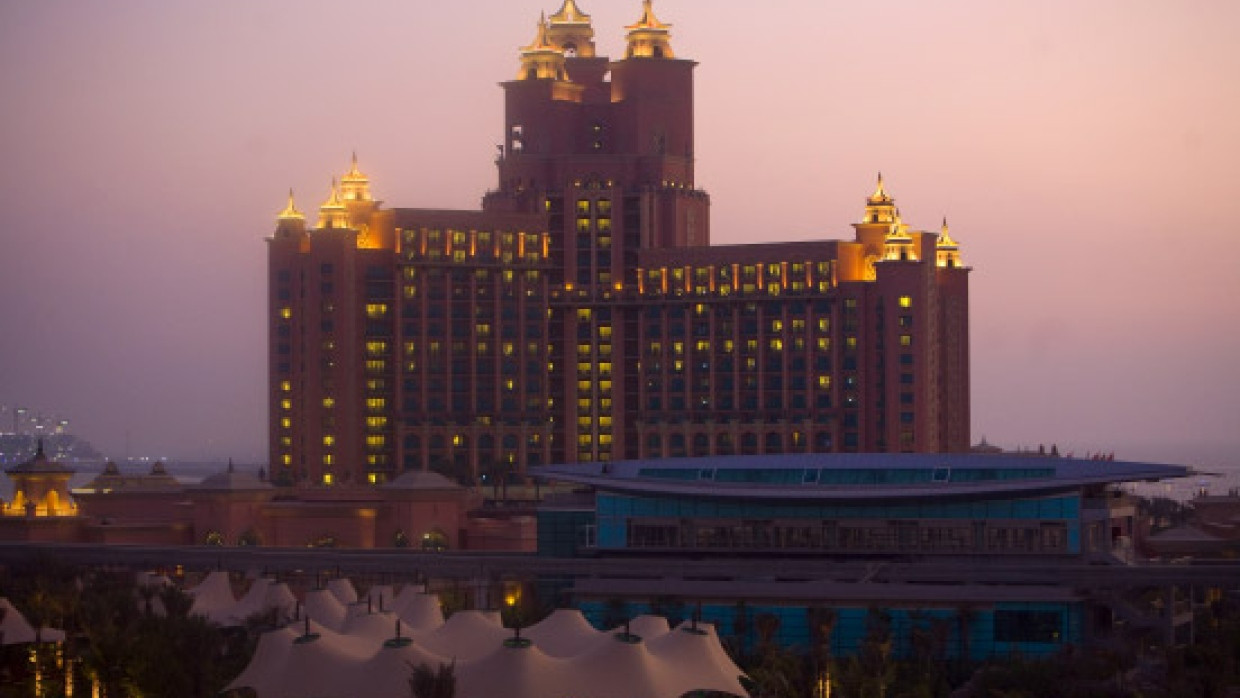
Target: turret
(542, 59)
(569, 30)
(355, 186)
(290, 222)
(898, 245)
(333, 214)
(649, 38)
(947, 251)
(880, 207)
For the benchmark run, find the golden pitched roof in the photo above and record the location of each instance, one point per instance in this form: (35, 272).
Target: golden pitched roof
(333, 201)
(541, 42)
(880, 195)
(648, 21)
(945, 240)
(354, 174)
(569, 13)
(290, 212)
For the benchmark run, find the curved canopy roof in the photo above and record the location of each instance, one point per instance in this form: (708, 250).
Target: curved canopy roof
(816, 477)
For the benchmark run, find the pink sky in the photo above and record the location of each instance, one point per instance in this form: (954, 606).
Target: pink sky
(1087, 155)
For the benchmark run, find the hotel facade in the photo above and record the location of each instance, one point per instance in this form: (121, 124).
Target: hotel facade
(582, 315)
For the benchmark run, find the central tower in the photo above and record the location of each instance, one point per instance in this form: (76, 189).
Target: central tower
(603, 149)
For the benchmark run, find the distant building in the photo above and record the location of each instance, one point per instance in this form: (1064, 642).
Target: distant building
(418, 510)
(582, 314)
(41, 508)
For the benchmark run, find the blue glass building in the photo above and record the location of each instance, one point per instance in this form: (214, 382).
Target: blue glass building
(975, 509)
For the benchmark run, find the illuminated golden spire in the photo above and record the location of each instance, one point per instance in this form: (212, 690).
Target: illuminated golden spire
(648, 38)
(541, 42)
(898, 245)
(290, 212)
(945, 239)
(569, 30)
(947, 250)
(355, 186)
(569, 13)
(332, 214)
(542, 59)
(879, 206)
(880, 193)
(648, 20)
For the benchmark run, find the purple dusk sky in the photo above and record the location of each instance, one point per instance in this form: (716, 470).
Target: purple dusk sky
(1086, 154)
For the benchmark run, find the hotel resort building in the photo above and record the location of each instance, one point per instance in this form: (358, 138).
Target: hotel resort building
(582, 315)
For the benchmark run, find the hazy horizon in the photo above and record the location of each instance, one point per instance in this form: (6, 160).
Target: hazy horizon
(1083, 153)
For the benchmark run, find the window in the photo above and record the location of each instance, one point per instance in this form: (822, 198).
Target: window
(906, 301)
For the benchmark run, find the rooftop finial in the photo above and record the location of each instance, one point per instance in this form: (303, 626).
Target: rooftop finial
(569, 13)
(648, 38)
(290, 211)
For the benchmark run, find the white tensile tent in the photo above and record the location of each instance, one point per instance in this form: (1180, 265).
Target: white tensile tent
(16, 630)
(214, 599)
(358, 653)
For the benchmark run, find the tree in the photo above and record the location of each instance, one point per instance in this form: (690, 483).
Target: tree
(425, 682)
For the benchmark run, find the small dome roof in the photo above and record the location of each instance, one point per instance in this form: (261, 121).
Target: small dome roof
(231, 480)
(40, 464)
(422, 480)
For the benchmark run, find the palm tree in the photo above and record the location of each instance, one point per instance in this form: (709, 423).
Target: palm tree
(425, 682)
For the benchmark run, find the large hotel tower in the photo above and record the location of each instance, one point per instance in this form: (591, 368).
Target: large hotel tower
(582, 314)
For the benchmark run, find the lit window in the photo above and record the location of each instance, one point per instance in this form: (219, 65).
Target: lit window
(329, 440)
(376, 348)
(286, 312)
(906, 340)
(327, 478)
(329, 459)
(286, 386)
(851, 342)
(375, 441)
(906, 301)
(286, 459)
(824, 382)
(286, 423)
(286, 404)
(376, 310)
(376, 422)
(376, 403)
(777, 345)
